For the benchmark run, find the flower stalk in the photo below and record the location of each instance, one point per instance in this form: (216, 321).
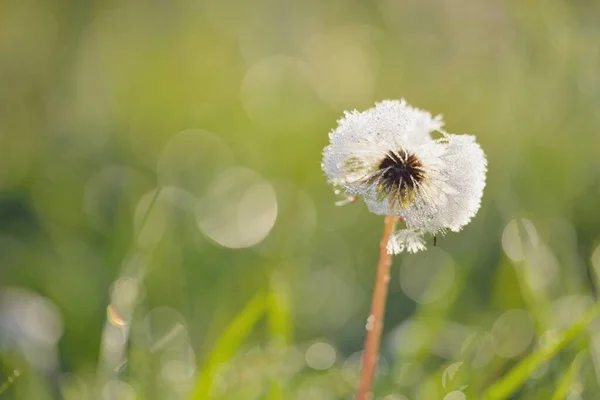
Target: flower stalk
(375, 320)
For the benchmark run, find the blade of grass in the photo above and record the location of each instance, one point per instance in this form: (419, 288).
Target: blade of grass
(503, 388)
(566, 383)
(280, 328)
(280, 317)
(228, 344)
(113, 358)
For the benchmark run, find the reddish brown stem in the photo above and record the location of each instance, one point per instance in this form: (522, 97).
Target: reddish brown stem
(375, 320)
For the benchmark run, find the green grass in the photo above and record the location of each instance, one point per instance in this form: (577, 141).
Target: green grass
(508, 384)
(228, 344)
(93, 102)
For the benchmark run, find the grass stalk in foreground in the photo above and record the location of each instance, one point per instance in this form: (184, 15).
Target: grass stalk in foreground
(228, 344)
(375, 320)
(280, 329)
(570, 377)
(508, 384)
(112, 358)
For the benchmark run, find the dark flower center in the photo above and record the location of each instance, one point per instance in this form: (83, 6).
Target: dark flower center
(401, 173)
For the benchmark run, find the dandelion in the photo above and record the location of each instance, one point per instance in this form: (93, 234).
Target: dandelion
(387, 156)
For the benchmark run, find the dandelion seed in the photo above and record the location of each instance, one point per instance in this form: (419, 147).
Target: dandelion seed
(346, 201)
(405, 239)
(386, 156)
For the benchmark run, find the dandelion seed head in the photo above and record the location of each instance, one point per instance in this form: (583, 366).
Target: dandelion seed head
(386, 156)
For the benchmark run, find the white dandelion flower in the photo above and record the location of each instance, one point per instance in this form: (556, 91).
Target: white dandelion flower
(386, 155)
(405, 239)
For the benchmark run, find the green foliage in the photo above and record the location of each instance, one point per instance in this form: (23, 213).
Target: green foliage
(239, 278)
(505, 386)
(228, 344)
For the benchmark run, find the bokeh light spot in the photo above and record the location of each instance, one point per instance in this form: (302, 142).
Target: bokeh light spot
(30, 319)
(320, 356)
(455, 395)
(114, 317)
(518, 237)
(239, 209)
(512, 333)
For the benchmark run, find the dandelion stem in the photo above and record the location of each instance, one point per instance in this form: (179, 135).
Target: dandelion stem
(375, 320)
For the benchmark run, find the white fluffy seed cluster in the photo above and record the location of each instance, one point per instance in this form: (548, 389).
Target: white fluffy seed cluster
(387, 156)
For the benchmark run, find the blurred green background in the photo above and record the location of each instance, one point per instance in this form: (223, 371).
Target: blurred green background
(166, 231)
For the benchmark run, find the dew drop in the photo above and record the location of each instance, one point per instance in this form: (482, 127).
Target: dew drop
(370, 323)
